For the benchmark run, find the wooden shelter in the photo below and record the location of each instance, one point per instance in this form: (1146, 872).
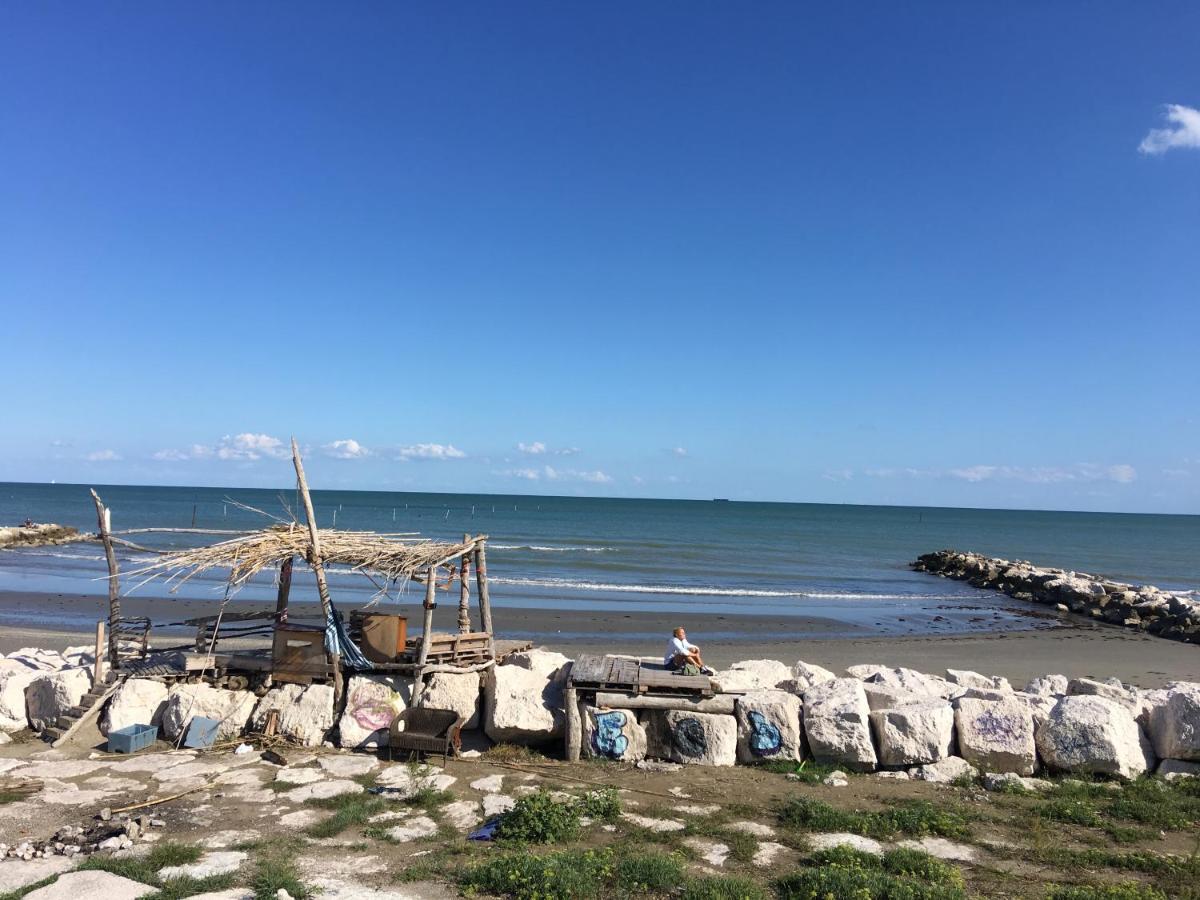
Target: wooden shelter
(298, 651)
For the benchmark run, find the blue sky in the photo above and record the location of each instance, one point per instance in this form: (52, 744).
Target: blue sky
(941, 254)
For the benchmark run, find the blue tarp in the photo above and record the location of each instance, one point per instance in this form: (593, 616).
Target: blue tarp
(337, 640)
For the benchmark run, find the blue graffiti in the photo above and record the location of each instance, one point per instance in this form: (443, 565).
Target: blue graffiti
(765, 739)
(608, 740)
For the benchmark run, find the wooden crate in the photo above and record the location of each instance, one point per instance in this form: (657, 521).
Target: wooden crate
(298, 655)
(382, 637)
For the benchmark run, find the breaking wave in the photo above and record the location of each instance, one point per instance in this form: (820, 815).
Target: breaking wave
(701, 591)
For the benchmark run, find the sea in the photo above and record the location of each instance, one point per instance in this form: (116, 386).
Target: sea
(848, 564)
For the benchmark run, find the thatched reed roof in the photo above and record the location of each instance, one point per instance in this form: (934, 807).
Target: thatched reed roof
(393, 558)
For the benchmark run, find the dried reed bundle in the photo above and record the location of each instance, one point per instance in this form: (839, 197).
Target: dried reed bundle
(395, 559)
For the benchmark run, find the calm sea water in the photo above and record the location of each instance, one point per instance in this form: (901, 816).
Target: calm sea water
(779, 559)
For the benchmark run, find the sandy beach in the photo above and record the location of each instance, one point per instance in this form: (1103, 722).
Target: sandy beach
(1069, 644)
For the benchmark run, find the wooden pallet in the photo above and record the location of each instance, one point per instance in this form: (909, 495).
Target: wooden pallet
(635, 676)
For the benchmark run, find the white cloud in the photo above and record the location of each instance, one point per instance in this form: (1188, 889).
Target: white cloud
(1184, 131)
(430, 451)
(196, 451)
(838, 475)
(248, 445)
(567, 451)
(1120, 473)
(1177, 473)
(103, 456)
(537, 448)
(679, 451)
(549, 473)
(347, 448)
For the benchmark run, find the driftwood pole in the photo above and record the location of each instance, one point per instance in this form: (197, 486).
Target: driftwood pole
(485, 600)
(426, 635)
(285, 588)
(464, 591)
(104, 525)
(318, 566)
(98, 665)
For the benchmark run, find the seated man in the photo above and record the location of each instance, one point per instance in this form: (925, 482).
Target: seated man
(681, 653)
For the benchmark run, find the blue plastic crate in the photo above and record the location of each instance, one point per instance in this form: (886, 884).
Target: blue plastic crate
(201, 732)
(132, 739)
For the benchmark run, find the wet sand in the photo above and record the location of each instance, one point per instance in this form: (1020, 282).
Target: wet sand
(1068, 644)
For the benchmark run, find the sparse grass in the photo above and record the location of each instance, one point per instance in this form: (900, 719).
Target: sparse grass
(807, 772)
(443, 862)
(10, 797)
(429, 799)
(274, 870)
(648, 871)
(178, 888)
(603, 804)
(145, 868)
(912, 817)
(1152, 802)
(348, 810)
(512, 753)
(1070, 810)
(723, 887)
(565, 875)
(539, 819)
(1130, 890)
(742, 846)
(898, 875)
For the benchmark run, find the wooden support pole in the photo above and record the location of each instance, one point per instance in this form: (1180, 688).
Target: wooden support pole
(98, 666)
(574, 729)
(464, 591)
(485, 600)
(426, 634)
(104, 526)
(285, 588)
(318, 565)
(721, 703)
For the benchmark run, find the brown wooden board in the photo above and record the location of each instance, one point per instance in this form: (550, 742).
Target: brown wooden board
(593, 671)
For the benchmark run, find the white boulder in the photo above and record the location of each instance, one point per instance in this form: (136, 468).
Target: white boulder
(1175, 723)
(968, 679)
(944, 771)
(97, 885)
(372, 702)
(914, 735)
(1096, 735)
(805, 675)
(455, 691)
(702, 739)
(768, 726)
(14, 678)
(837, 724)
(138, 701)
(523, 705)
(186, 701)
(753, 675)
(305, 712)
(883, 696)
(547, 663)
(902, 679)
(996, 735)
(613, 734)
(1048, 685)
(54, 694)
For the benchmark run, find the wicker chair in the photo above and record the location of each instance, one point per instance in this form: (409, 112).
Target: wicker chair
(426, 731)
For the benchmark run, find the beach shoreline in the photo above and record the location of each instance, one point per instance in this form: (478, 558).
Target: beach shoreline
(1071, 645)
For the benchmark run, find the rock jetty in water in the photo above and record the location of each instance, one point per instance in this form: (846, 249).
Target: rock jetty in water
(37, 535)
(1144, 607)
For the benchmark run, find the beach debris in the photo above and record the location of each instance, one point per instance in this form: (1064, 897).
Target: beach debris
(1095, 735)
(769, 726)
(692, 738)
(914, 735)
(996, 735)
(837, 724)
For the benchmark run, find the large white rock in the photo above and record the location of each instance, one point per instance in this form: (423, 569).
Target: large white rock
(968, 679)
(702, 739)
(836, 723)
(456, 691)
(16, 874)
(1092, 734)
(372, 702)
(1175, 723)
(92, 884)
(901, 679)
(14, 678)
(138, 701)
(523, 705)
(37, 659)
(547, 663)
(805, 675)
(305, 712)
(1048, 685)
(996, 735)
(769, 726)
(54, 694)
(753, 675)
(613, 734)
(944, 771)
(884, 696)
(185, 701)
(914, 735)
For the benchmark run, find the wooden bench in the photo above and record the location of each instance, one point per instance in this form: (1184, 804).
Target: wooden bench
(636, 676)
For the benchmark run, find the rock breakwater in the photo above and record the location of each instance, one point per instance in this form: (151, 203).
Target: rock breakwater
(36, 535)
(1146, 608)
